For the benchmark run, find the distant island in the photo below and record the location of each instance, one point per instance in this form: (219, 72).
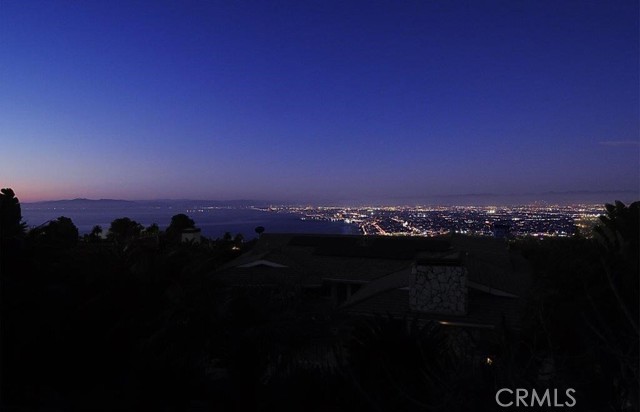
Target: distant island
(465, 199)
(83, 203)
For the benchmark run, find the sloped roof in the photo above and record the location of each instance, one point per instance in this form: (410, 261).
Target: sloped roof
(384, 264)
(339, 257)
(379, 247)
(482, 309)
(490, 269)
(265, 275)
(396, 280)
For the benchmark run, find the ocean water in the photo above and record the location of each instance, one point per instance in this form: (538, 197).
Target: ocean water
(213, 222)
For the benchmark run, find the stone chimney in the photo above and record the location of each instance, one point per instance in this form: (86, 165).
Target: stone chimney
(439, 287)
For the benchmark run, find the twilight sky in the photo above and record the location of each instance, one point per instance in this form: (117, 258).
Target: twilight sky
(317, 100)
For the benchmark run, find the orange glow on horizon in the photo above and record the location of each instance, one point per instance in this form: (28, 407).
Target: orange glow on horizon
(28, 192)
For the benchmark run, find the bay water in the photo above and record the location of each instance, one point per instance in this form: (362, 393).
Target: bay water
(213, 222)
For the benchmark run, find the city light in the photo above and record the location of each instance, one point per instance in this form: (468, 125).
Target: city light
(514, 221)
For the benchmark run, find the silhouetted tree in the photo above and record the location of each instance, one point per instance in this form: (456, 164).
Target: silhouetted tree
(259, 230)
(619, 231)
(179, 223)
(152, 230)
(60, 232)
(615, 303)
(581, 324)
(124, 230)
(96, 233)
(63, 231)
(11, 224)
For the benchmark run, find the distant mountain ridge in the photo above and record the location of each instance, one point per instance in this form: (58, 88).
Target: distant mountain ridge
(83, 203)
(475, 199)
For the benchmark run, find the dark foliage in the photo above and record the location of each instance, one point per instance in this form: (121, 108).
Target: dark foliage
(10, 214)
(124, 230)
(179, 223)
(583, 313)
(58, 233)
(96, 234)
(12, 231)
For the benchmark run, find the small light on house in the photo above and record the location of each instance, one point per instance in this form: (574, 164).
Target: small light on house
(489, 361)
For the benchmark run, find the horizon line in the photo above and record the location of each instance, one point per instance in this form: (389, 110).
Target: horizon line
(337, 201)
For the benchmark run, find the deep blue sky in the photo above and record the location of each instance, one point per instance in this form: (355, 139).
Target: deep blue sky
(317, 100)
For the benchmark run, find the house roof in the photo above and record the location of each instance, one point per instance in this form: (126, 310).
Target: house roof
(349, 258)
(496, 275)
(265, 275)
(483, 310)
(379, 247)
(365, 258)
